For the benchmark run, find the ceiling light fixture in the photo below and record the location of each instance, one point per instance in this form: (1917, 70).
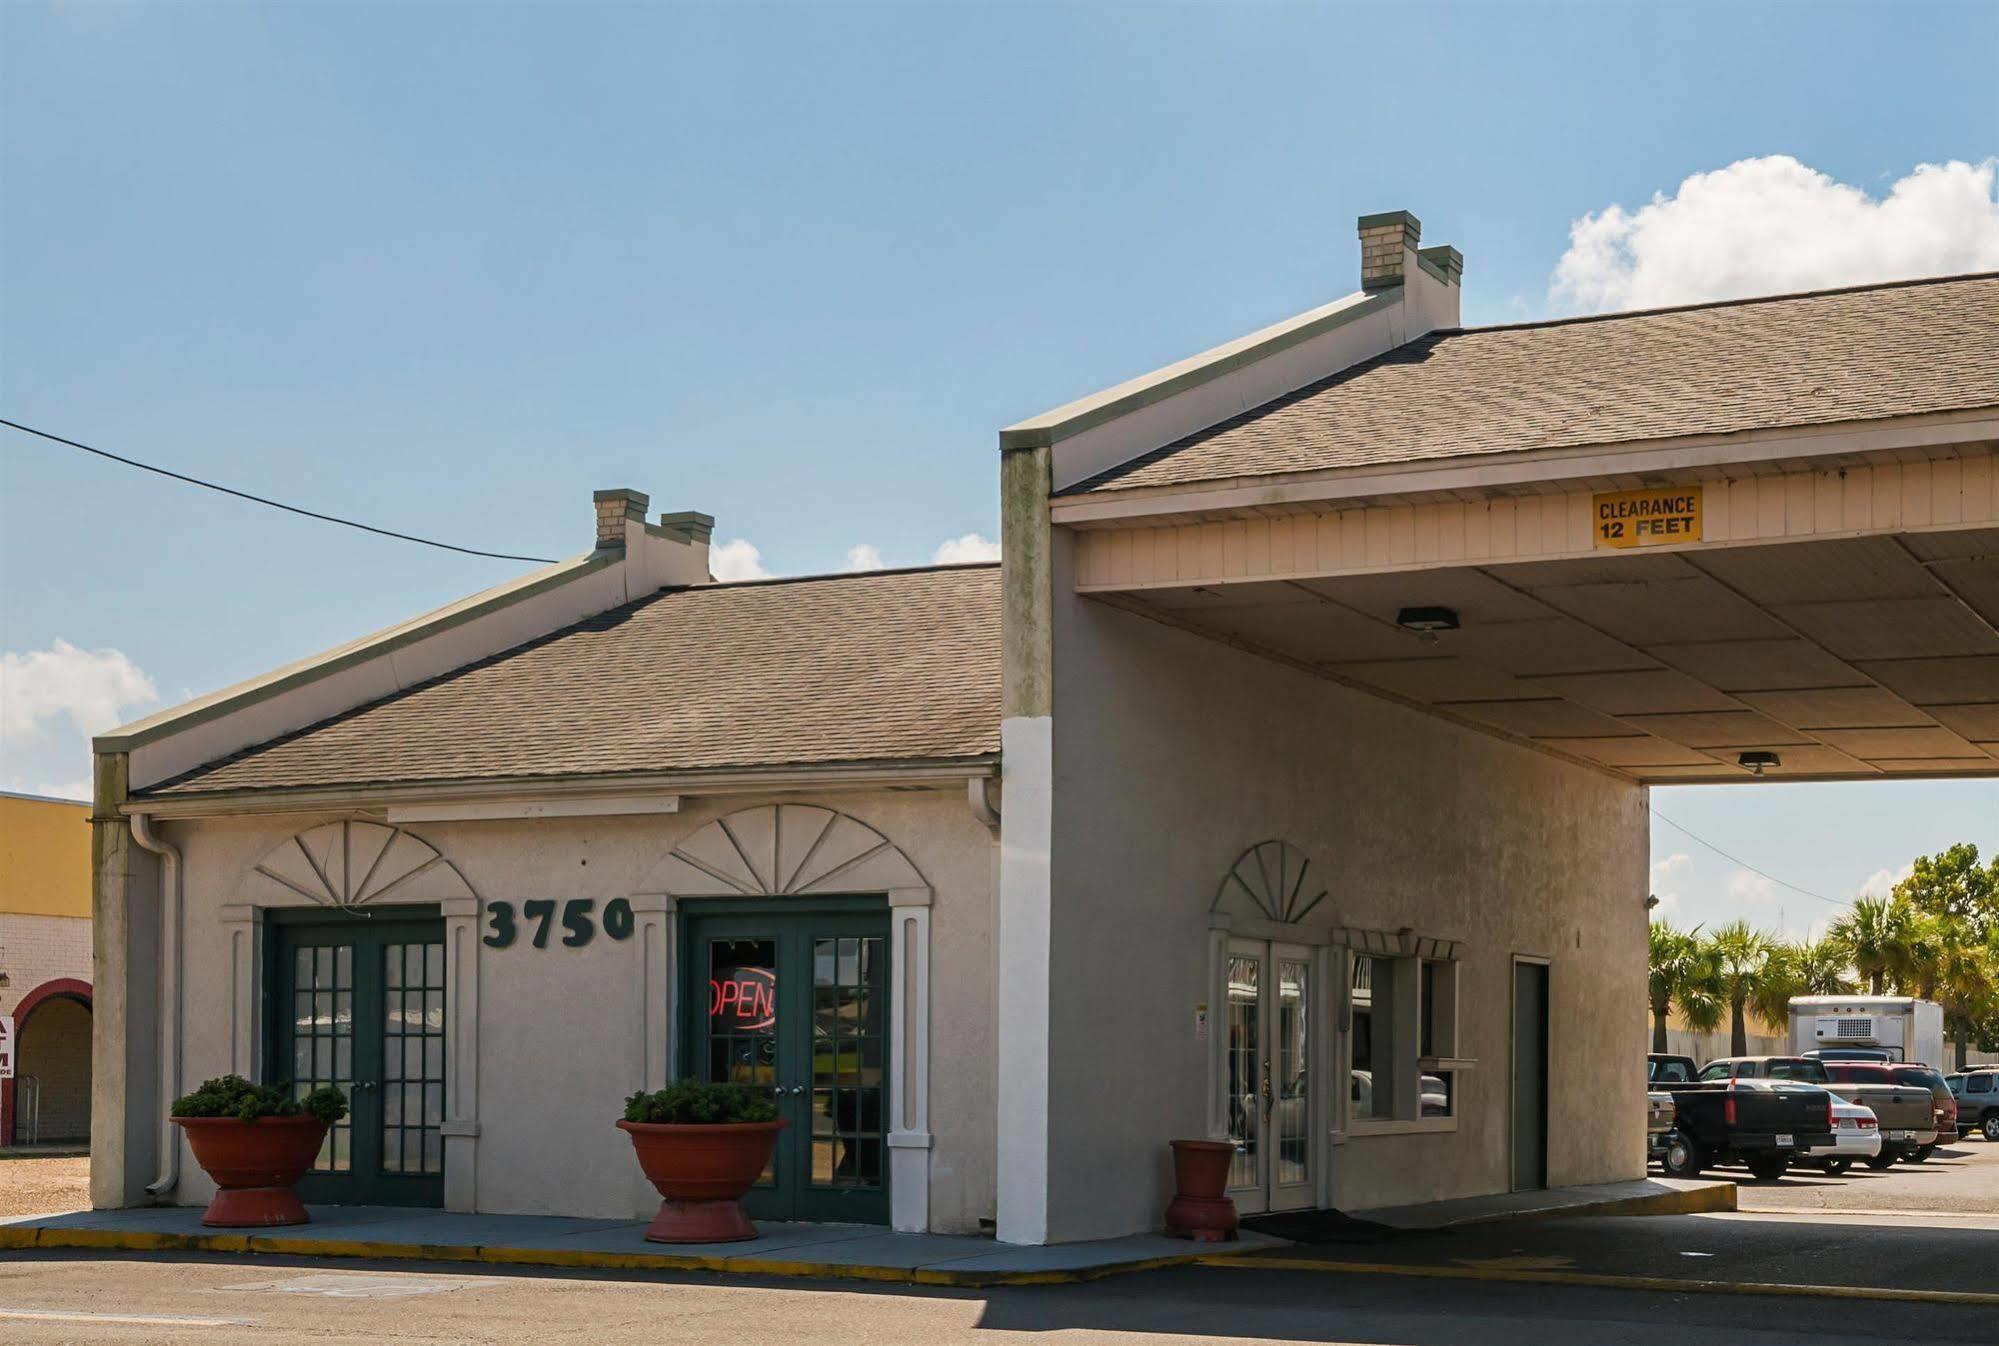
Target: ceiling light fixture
(1759, 762)
(1426, 622)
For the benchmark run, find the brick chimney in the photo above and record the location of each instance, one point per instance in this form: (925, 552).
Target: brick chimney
(1387, 248)
(1389, 254)
(673, 551)
(616, 508)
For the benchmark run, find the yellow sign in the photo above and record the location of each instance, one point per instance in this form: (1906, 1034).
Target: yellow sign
(1648, 518)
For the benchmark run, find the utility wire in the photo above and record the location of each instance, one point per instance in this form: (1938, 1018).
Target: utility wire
(1744, 863)
(274, 504)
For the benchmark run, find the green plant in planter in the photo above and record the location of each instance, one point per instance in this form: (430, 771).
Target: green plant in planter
(234, 1096)
(691, 1102)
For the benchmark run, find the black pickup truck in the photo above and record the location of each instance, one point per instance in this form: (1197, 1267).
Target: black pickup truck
(1763, 1124)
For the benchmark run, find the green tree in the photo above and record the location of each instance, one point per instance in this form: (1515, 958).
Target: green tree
(1680, 976)
(1814, 967)
(1741, 958)
(1954, 886)
(1875, 934)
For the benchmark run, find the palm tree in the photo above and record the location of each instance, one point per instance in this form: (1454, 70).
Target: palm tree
(1679, 976)
(1742, 968)
(1821, 967)
(1874, 934)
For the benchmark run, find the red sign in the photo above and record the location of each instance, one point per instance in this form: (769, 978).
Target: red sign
(746, 997)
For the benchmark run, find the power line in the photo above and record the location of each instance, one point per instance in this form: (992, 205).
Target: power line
(274, 504)
(1744, 863)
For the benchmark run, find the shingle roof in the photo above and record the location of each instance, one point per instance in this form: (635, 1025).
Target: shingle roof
(882, 666)
(1813, 359)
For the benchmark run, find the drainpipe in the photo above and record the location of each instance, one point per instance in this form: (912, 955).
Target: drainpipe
(170, 998)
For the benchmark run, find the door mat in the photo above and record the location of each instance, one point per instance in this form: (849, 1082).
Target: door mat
(1329, 1226)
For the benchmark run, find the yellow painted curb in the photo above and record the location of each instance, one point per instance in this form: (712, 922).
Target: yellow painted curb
(1668, 1283)
(587, 1258)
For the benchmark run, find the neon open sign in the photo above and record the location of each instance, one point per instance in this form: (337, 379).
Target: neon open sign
(744, 997)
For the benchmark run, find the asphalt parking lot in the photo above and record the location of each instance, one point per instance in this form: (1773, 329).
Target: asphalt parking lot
(48, 1298)
(1960, 1178)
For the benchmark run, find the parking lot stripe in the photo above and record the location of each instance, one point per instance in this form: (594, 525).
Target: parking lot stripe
(1671, 1284)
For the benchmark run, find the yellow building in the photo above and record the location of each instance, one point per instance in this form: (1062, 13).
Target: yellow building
(45, 992)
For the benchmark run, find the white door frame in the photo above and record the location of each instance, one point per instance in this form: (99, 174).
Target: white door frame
(1266, 1192)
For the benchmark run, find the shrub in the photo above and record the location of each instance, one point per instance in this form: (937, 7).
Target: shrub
(234, 1096)
(686, 1102)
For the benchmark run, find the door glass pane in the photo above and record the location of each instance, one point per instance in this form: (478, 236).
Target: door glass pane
(849, 1061)
(1294, 1095)
(322, 1037)
(742, 1018)
(412, 1058)
(1245, 1050)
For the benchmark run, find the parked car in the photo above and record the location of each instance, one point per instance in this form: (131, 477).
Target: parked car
(1904, 1113)
(1661, 1112)
(1945, 1111)
(1805, 1068)
(1856, 1134)
(1663, 1068)
(1763, 1124)
(1977, 1093)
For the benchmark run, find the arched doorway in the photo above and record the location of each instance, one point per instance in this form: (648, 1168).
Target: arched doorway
(52, 1037)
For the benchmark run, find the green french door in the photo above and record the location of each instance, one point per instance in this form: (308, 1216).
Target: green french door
(797, 1003)
(358, 1003)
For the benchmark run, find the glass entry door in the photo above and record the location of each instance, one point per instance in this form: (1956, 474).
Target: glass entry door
(1270, 1101)
(797, 1003)
(358, 1003)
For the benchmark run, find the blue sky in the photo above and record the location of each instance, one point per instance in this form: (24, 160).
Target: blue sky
(448, 267)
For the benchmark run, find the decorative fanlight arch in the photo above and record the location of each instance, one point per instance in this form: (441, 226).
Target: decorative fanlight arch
(353, 863)
(788, 850)
(1271, 881)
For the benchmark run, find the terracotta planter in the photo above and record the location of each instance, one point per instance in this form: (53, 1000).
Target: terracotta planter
(254, 1164)
(701, 1173)
(1201, 1208)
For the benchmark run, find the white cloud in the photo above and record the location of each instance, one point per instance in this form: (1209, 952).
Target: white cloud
(1881, 883)
(92, 689)
(1744, 886)
(970, 547)
(736, 560)
(863, 556)
(1667, 876)
(1773, 225)
(75, 789)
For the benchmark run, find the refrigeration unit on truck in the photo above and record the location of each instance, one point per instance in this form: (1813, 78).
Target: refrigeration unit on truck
(1901, 1026)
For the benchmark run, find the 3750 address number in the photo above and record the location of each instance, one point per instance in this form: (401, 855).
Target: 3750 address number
(579, 924)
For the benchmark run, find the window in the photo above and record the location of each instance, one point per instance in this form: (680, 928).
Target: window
(1403, 1039)
(1978, 1084)
(1719, 1070)
(1373, 1078)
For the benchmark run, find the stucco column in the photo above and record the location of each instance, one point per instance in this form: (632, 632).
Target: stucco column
(1025, 914)
(460, 1130)
(124, 1062)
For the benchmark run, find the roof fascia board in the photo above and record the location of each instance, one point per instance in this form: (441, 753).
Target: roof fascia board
(1530, 467)
(818, 776)
(173, 741)
(1155, 409)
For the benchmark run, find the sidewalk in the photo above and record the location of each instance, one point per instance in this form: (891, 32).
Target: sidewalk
(830, 1251)
(1642, 1196)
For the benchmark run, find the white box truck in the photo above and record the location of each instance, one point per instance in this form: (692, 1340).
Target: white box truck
(1906, 1028)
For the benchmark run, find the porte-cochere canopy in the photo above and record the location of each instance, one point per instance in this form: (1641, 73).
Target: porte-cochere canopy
(352, 863)
(786, 850)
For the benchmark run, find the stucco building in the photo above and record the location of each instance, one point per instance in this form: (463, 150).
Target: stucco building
(1287, 782)
(45, 976)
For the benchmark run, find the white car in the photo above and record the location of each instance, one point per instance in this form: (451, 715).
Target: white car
(1856, 1134)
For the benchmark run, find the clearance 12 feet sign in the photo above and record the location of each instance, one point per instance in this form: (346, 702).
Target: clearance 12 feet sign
(1648, 518)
